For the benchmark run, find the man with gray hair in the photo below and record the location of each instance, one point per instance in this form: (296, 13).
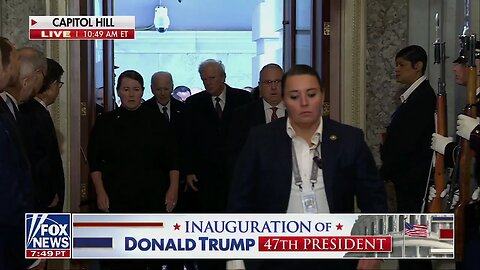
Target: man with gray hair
(39, 62)
(25, 87)
(210, 116)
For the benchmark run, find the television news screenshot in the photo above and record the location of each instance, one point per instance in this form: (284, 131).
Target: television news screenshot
(239, 135)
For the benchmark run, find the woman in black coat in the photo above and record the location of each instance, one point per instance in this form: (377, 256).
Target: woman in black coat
(132, 163)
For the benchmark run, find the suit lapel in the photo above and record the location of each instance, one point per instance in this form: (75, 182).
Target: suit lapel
(15, 129)
(229, 100)
(209, 109)
(329, 149)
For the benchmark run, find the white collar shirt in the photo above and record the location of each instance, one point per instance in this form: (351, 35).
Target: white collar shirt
(222, 97)
(410, 89)
(305, 154)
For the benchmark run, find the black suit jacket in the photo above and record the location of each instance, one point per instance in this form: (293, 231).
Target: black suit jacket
(406, 152)
(244, 118)
(177, 124)
(44, 154)
(261, 185)
(207, 144)
(263, 179)
(178, 113)
(15, 192)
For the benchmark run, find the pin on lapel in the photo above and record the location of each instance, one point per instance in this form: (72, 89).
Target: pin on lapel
(333, 137)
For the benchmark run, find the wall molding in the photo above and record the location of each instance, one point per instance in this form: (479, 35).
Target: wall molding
(353, 63)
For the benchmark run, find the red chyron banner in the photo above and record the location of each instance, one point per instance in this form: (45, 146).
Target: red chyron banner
(329, 244)
(82, 34)
(81, 27)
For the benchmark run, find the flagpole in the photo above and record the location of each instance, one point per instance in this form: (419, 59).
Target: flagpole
(403, 249)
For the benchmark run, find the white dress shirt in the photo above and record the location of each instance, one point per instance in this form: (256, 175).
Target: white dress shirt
(412, 87)
(222, 97)
(41, 102)
(305, 154)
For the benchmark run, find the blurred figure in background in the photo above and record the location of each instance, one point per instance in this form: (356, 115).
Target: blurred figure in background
(181, 93)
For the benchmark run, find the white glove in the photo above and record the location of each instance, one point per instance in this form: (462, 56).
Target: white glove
(456, 197)
(465, 125)
(439, 143)
(475, 194)
(432, 194)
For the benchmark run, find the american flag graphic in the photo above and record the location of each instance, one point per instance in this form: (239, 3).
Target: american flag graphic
(417, 230)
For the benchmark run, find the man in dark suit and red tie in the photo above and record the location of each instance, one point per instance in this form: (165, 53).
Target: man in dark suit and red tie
(306, 157)
(210, 115)
(262, 111)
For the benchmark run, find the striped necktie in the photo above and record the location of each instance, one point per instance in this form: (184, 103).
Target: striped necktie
(274, 113)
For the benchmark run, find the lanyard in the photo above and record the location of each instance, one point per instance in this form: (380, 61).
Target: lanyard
(296, 170)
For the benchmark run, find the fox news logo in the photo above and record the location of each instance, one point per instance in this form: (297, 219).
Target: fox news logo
(47, 236)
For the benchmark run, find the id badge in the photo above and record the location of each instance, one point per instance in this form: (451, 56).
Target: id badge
(309, 202)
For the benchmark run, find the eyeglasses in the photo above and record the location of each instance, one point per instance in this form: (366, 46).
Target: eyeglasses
(270, 82)
(60, 84)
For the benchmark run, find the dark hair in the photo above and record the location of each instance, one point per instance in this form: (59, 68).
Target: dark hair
(414, 54)
(6, 49)
(301, 70)
(132, 74)
(54, 73)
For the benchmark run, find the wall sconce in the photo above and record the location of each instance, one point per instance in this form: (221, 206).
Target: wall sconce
(161, 20)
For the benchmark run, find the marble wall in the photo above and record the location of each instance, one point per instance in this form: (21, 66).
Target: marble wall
(14, 22)
(387, 32)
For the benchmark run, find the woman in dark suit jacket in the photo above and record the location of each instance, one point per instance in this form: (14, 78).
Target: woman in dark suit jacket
(263, 183)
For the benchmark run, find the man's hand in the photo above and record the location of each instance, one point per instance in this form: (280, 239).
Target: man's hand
(103, 202)
(439, 143)
(191, 180)
(171, 198)
(55, 201)
(465, 125)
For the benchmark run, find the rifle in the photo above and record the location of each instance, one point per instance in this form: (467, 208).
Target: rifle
(435, 205)
(466, 153)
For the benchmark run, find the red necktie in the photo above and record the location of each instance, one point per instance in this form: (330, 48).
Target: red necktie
(218, 107)
(274, 113)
